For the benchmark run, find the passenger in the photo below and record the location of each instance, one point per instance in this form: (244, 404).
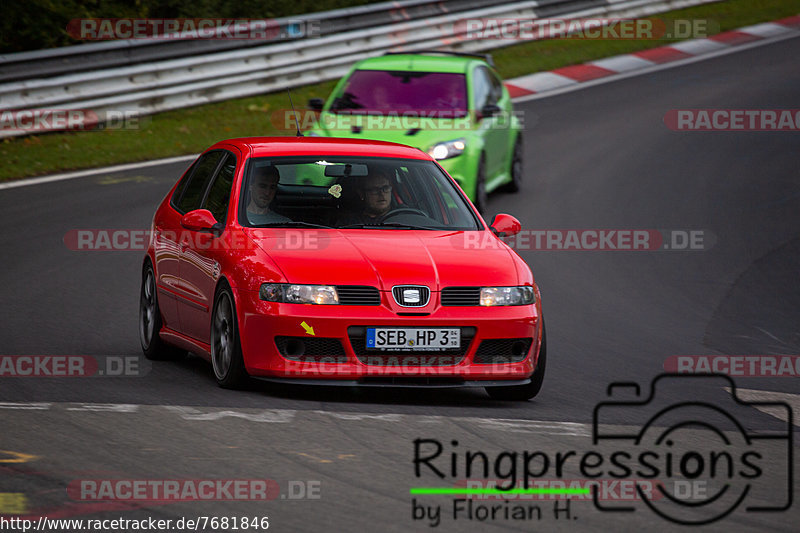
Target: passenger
(262, 189)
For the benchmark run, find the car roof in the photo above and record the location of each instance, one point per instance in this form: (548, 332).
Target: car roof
(289, 146)
(418, 63)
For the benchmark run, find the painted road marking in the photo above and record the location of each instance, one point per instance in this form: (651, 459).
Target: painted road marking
(13, 503)
(35, 406)
(95, 171)
(752, 395)
(269, 415)
(111, 180)
(9, 457)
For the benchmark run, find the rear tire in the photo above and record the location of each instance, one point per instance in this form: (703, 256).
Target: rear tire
(516, 168)
(150, 322)
(481, 196)
(521, 393)
(226, 350)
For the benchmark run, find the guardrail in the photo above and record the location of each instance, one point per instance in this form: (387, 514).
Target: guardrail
(118, 53)
(158, 86)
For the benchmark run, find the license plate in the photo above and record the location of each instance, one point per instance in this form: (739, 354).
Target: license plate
(413, 339)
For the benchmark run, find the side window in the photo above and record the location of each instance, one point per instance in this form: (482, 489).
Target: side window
(481, 88)
(497, 88)
(219, 195)
(194, 189)
(184, 180)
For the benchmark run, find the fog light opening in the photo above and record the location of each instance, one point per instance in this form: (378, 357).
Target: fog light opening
(295, 348)
(518, 348)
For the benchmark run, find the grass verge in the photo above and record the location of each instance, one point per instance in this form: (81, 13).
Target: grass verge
(192, 130)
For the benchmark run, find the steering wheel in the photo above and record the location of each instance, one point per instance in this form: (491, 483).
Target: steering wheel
(400, 210)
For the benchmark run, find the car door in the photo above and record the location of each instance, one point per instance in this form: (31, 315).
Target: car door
(187, 198)
(166, 249)
(489, 127)
(200, 253)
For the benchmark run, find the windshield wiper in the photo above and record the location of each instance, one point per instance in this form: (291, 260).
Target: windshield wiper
(386, 225)
(297, 224)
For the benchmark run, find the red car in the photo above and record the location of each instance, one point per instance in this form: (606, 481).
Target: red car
(338, 261)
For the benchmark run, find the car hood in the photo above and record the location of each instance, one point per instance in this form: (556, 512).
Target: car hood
(420, 133)
(385, 258)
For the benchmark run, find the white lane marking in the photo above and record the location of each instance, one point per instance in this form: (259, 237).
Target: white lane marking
(654, 68)
(94, 171)
(389, 417)
(573, 429)
(268, 415)
(106, 407)
(34, 406)
(752, 395)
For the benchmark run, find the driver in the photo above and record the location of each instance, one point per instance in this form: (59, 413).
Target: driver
(375, 193)
(262, 189)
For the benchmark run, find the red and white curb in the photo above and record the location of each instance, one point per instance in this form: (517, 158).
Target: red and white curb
(573, 75)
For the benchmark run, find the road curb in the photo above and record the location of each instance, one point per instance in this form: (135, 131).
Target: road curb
(560, 78)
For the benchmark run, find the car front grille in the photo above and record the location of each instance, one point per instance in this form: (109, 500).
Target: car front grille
(311, 350)
(454, 296)
(400, 292)
(502, 351)
(358, 295)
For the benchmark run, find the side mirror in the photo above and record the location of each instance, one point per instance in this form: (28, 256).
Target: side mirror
(316, 104)
(505, 225)
(201, 220)
(490, 110)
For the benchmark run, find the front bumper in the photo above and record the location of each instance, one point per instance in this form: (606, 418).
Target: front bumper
(261, 322)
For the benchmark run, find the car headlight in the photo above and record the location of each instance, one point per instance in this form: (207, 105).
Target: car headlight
(491, 296)
(447, 149)
(299, 294)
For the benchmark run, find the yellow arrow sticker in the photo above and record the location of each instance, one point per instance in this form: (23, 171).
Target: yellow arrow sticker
(13, 503)
(16, 457)
(308, 328)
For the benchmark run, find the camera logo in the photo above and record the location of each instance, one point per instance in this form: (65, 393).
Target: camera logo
(704, 462)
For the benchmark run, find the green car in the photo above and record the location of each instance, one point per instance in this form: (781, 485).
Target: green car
(452, 106)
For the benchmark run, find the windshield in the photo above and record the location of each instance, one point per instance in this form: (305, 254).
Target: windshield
(351, 192)
(379, 92)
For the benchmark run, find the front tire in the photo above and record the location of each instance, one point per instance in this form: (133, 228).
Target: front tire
(150, 322)
(521, 393)
(226, 350)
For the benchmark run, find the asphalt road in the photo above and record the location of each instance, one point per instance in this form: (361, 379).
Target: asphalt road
(598, 158)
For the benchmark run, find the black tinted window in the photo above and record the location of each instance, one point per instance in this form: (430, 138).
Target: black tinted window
(193, 192)
(220, 193)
